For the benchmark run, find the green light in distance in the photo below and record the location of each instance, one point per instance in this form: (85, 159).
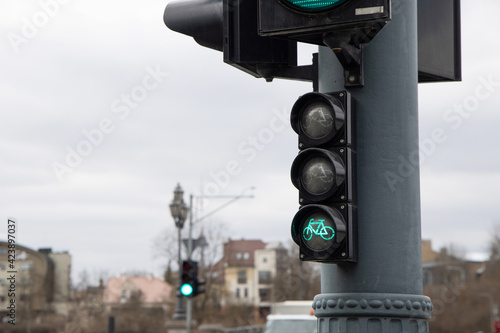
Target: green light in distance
(186, 289)
(315, 5)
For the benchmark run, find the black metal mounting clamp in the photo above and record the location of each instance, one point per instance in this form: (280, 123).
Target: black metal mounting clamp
(299, 73)
(350, 56)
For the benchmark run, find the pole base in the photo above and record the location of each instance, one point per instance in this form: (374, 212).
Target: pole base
(372, 313)
(179, 316)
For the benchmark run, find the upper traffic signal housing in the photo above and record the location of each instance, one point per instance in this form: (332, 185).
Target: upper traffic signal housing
(308, 20)
(231, 27)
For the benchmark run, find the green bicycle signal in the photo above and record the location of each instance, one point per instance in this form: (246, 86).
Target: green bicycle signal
(319, 229)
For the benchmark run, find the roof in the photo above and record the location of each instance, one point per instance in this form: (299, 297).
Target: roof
(240, 253)
(153, 290)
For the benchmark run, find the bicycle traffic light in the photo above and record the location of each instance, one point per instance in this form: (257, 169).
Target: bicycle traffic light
(189, 279)
(324, 173)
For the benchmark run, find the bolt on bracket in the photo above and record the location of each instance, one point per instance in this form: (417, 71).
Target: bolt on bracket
(350, 56)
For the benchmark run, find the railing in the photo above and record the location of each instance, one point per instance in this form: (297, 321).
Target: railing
(246, 329)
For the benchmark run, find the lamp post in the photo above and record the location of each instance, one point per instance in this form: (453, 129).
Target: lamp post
(179, 211)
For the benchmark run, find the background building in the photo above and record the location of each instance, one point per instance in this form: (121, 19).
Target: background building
(147, 291)
(42, 283)
(247, 271)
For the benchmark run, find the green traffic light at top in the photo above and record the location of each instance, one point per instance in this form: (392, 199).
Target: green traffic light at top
(315, 5)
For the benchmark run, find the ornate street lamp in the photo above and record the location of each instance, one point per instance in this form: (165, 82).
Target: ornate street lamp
(179, 211)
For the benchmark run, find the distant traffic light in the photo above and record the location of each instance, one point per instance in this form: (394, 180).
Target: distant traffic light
(189, 279)
(324, 173)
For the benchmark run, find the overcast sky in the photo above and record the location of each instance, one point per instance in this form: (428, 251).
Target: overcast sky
(105, 110)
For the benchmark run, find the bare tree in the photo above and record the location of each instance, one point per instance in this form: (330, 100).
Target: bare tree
(295, 279)
(208, 252)
(165, 246)
(495, 244)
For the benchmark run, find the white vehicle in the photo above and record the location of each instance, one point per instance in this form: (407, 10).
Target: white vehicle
(291, 317)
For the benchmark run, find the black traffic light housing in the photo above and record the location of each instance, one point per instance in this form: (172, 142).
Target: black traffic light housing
(324, 172)
(330, 247)
(342, 25)
(244, 48)
(232, 27)
(340, 103)
(343, 162)
(359, 18)
(190, 285)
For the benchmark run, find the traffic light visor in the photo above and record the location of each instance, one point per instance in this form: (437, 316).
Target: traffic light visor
(318, 173)
(318, 118)
(314, 5)
(200, 19)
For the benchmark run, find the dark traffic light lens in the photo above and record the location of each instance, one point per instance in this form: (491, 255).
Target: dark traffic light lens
(317, 120)
(318, 175)
(315, 5)
(318, 231)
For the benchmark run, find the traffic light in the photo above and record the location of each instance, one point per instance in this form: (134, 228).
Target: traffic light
(190, 285)
(309, 20)
(324, 173)
(231, 27)
(342, 25)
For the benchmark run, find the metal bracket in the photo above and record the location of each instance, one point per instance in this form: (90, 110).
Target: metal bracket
(299, 73)
(350, 56)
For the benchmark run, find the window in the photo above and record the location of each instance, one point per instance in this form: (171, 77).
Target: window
(237, 292)
(427, 277)
(264, 277)
(264, 259)
(242, 277)
(26, 281)
(123, 296)
(27, 266)
(246, 292)
(238, 255)
(265, 295)
(246, 255)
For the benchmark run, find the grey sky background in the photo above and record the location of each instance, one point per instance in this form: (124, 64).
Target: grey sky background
(105, 110)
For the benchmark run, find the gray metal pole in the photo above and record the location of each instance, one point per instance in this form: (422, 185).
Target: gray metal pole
(383, 291)
(180, 313)
(190, 252)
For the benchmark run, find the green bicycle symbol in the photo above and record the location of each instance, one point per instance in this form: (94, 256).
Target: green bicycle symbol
(318, 228)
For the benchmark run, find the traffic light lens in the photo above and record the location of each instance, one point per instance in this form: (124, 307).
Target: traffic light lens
(318, 175)
(186, 289)
(315, 5)
(318, 231)
(317, 120)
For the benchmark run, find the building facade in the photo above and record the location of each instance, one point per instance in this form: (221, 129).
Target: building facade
(145, 291)
(42, 282)
(247, 271)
